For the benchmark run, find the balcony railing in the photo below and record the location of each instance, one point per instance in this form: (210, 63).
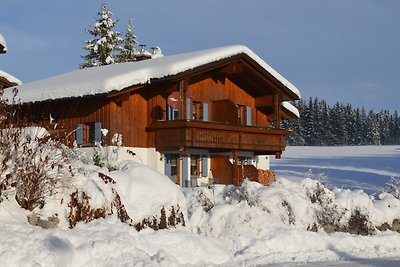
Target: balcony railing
(172, 135)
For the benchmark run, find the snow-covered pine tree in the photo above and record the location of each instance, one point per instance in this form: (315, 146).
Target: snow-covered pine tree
(394, 129)
(128, 51)
(309, 129)
(106, 42)
(318, 127)
(326, 128)
(373, 137)
(338, 124)
(358, 128)
(383, 121)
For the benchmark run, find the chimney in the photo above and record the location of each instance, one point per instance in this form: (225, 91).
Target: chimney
(143, 53)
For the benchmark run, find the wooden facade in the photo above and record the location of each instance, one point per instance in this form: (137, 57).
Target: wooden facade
(217, 111)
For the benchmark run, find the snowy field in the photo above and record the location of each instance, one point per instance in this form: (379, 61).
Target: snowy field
(227, 226)
(354, 167)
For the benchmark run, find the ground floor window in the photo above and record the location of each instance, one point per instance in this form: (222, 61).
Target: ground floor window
(195, 165)
(88, 133)
(172, 167)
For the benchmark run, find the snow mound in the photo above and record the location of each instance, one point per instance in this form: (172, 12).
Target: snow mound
(146, 192)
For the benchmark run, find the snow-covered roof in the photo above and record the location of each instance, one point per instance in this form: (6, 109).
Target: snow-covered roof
(292, 109)
(3, 43)
(9, 77)
(115, 77)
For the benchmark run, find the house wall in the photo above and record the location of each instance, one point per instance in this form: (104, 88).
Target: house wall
(130, 113)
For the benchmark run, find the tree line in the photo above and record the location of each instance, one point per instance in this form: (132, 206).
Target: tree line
(322, 125)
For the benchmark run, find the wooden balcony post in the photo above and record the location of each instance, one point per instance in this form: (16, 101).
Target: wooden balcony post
(182, 93)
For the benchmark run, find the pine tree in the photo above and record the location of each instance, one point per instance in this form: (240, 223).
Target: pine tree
(326, 128)
(383, 120)
(339, 125)
(395, 129)
(318, 126)
(103, 47)
(128, 51)
(309, 129)
(373, 137)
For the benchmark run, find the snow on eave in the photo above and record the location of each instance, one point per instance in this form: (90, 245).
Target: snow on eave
(116, 77)
(292, 109)
(10, 78)
(3, 43)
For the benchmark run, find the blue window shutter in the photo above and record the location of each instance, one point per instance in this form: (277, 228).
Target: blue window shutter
(185, 171)
(205, 111)
(170, 113)
(188, 109)
(168, 165)
(248, 116)
(79, 134)
(204, 166)
(97, 132)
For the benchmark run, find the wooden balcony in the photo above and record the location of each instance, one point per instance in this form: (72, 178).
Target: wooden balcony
(173, 135)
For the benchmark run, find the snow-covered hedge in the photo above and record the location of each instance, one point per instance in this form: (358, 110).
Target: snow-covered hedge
(308, 205)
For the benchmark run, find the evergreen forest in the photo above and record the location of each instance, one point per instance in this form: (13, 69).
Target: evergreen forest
(341, 124)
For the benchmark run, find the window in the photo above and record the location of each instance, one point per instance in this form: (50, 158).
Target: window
(244, 160)
(241, 115)
(88, 133)
(244, 115)
(174, 102)
(197, 111)
(172, 167)
(195, 165)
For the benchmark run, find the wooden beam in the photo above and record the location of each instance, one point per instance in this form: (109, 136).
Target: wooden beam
(125, 91)
(277, 111)
(233, 68)
(264, 101)
(121, 97)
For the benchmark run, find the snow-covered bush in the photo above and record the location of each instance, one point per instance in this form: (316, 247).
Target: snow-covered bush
(306, 205)
(393, 187)
(33, 164)
(151, 199)
(108, 156)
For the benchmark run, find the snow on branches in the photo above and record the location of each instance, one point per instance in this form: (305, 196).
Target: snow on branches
(103, 47)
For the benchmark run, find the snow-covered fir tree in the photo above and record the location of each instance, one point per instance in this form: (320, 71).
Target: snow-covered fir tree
(103, 47)
(383, 118)
(372, 136)
(128, 51)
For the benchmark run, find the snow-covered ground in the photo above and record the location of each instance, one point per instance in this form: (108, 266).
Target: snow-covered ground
(354, 167)
(247, 226)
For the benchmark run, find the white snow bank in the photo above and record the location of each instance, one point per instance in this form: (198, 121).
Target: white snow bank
(10, 78)
(262, 225)
(115, 77)
(145, 192)
(232, 226)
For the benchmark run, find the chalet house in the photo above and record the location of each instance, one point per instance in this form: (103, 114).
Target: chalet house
(211, 113)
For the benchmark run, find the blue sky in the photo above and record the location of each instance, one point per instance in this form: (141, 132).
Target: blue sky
(342, 50)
